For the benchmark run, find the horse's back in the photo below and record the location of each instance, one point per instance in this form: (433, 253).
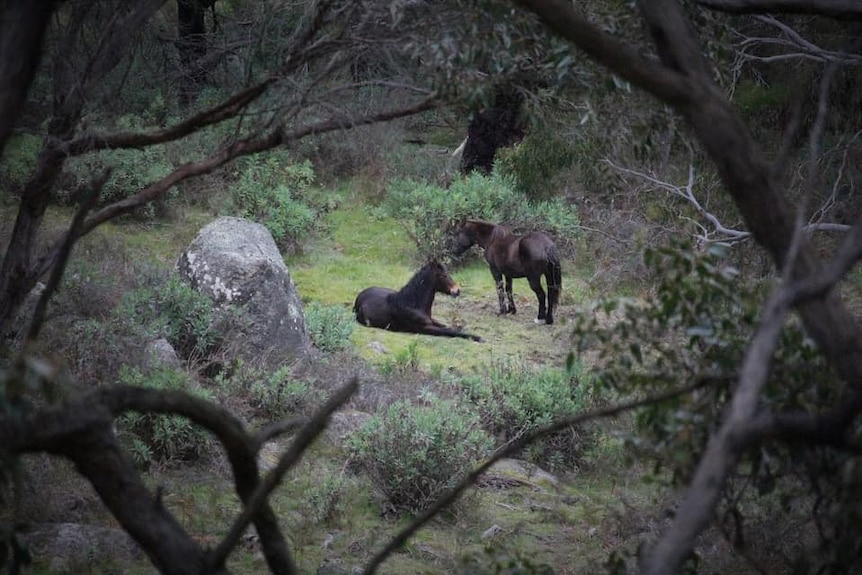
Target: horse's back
(370, 307)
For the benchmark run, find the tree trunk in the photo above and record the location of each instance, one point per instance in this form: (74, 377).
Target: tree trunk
(191, 45)
(489, 130)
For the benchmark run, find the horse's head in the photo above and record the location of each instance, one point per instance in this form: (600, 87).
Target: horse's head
(466, 236)
(443, 282)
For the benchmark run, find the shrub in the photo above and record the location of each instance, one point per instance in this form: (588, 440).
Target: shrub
(18, 161)
(270, 191)
(176, 311)
(325, 498)
(514, 399)
(416, 453)
(154, 438)
(403, 362)
(271, 395)
(279, 394)
(536, 164)
(131, 171)
(430, 212)
(329, 326)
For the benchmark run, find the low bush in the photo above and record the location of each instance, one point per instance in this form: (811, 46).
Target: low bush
(271, 191)
(174, 310)
(514, 399)
(18, 161)
(430, 213)
(414, 453)
(537, 164)
(162, 439)
(271, 395)
(329, 326)
(131, 171)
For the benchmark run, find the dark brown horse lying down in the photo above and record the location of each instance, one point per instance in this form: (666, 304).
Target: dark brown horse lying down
(409, 309)
(511, 256)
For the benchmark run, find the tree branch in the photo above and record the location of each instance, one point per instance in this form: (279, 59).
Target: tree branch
(561, 17)
(259, 498)
(724, 446)
(833, 8)
(251, 145)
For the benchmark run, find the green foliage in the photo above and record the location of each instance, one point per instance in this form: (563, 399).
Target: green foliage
(430, 212)
(131, 171)
(176, 311)
(404, 361)
(498, 561)
(161, 439)
(272, 395)
(415, 453)
(761, 104)
(325, 498)
(280, 394)
(329, 326)
(514, 399)
(271, 191)
(535, 165)
(18, 161)
(695, 330)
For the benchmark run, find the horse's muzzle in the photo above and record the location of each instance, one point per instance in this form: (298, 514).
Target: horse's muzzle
(455, 290)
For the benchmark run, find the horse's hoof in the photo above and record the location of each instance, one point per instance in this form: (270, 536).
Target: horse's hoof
(549, 321)
(538, 321)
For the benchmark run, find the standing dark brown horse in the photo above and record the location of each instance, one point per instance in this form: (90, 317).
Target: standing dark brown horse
(409, 309)
(511, 256)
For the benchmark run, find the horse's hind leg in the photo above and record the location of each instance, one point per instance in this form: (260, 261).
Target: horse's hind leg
(545, 313)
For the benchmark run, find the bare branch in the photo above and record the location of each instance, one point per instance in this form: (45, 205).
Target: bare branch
(831, 8)
(259, 498)
(244, 147)
(796, 47)
(687, 193)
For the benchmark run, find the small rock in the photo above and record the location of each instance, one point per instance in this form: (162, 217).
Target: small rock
(492, 531)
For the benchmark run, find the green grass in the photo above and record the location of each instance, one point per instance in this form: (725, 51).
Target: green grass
(363, 249)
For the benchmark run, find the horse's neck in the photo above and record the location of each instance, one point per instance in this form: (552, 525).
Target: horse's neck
(418, 293)
(484, 235)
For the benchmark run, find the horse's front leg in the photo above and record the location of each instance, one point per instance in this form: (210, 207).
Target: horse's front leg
(501, 289)
(545, 314)
(510, 295)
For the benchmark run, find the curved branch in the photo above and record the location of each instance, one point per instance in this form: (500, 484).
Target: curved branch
(245, 147)
(258, 500)
(831, 8)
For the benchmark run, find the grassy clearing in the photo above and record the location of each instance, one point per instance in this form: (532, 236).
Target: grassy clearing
(365, 249)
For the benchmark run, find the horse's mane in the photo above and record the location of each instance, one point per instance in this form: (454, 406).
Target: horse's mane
(500, 232)
(420, 284)
(497, 231)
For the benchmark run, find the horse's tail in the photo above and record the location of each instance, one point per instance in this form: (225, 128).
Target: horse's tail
(554, 277)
